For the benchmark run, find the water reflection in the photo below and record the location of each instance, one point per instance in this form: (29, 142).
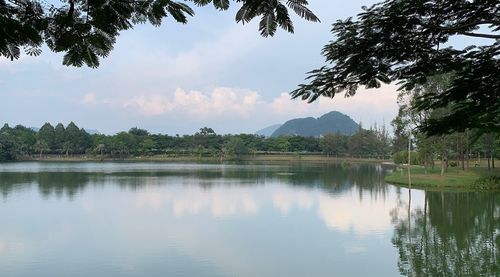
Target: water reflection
(252, 220)
(450, 234)
(333, 178)
(233, 191)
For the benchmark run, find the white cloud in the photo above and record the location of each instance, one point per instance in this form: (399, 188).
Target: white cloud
(200, 61)
(372, 105)
(245, 110)
(88, 99)
(219, 102)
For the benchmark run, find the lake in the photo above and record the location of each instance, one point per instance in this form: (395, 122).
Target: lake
(164, 219)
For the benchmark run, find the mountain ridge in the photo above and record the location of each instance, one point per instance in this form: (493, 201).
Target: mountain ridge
(331, 122)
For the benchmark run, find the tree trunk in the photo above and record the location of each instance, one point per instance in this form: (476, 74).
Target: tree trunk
(468, 154)
(462, 155)
(409, 161)
(442, 164)
(492, 160)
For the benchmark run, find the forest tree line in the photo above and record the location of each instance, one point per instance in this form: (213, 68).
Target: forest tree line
(464, 148)
(21, 143)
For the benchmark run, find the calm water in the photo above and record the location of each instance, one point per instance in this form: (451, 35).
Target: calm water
(154, 219)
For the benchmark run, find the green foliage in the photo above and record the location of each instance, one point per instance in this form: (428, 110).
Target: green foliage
(71, 140)
(489, 182)
(236, 147)
(9, 146)
(85, 31)
(404, 42)
(334, 144)
(401, 157)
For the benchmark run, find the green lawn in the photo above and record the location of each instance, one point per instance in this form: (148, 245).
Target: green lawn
(479, 177)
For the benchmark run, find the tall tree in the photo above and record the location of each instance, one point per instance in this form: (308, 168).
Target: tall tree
(333, 144)
(47, 134)
(408, 41)
(60, 143)
(9, 145)
(86, 30)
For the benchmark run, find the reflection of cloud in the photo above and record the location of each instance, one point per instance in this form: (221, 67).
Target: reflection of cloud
(10, 246)
(220, 202)
(88, 205)
(352, 214)
(285, 199)
(150, 199)
(347, 213)
(354, 248)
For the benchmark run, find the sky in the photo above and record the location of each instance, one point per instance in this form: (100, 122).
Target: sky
(178, 78)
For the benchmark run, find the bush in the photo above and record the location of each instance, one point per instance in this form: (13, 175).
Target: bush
(401, 157)
(491, 182)
(453, 164)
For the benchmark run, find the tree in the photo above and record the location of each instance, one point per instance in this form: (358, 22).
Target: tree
(138, 132)
(47, 134)
(236, 147)
(407, 42)
(78, 138)
(147, 146)
(9, 145)
(363, 143)
(87, 30)
(41, 146)
(60, 143)
(333, 144)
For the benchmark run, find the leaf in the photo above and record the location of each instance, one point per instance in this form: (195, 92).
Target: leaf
(268, 25)
(221, 4)
(298, 7)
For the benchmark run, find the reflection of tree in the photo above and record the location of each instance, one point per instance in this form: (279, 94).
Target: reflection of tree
(59, 184)
(454, 234)
(334, 178)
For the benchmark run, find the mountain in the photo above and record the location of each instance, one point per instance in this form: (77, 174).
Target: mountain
(268, 131)
(331, 122)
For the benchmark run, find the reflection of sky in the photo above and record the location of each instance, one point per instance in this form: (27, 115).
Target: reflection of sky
(174, 226)
(347, 212)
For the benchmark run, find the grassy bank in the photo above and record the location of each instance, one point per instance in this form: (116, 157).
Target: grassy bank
(474, 178)
(285, 157)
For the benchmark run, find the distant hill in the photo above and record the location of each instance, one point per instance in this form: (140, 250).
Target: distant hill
(331, 122)
(268, 131)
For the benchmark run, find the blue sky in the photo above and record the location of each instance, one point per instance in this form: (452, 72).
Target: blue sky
(178, 78)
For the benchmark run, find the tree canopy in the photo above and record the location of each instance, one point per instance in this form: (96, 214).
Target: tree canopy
(409, 41)
(86, 30)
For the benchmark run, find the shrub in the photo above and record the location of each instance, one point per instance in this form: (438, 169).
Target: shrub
(401, 157)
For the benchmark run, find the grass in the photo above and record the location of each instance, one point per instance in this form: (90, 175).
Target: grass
(473, 178)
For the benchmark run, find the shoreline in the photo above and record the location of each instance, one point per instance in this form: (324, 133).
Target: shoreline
(455, 178)
(210, 159)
